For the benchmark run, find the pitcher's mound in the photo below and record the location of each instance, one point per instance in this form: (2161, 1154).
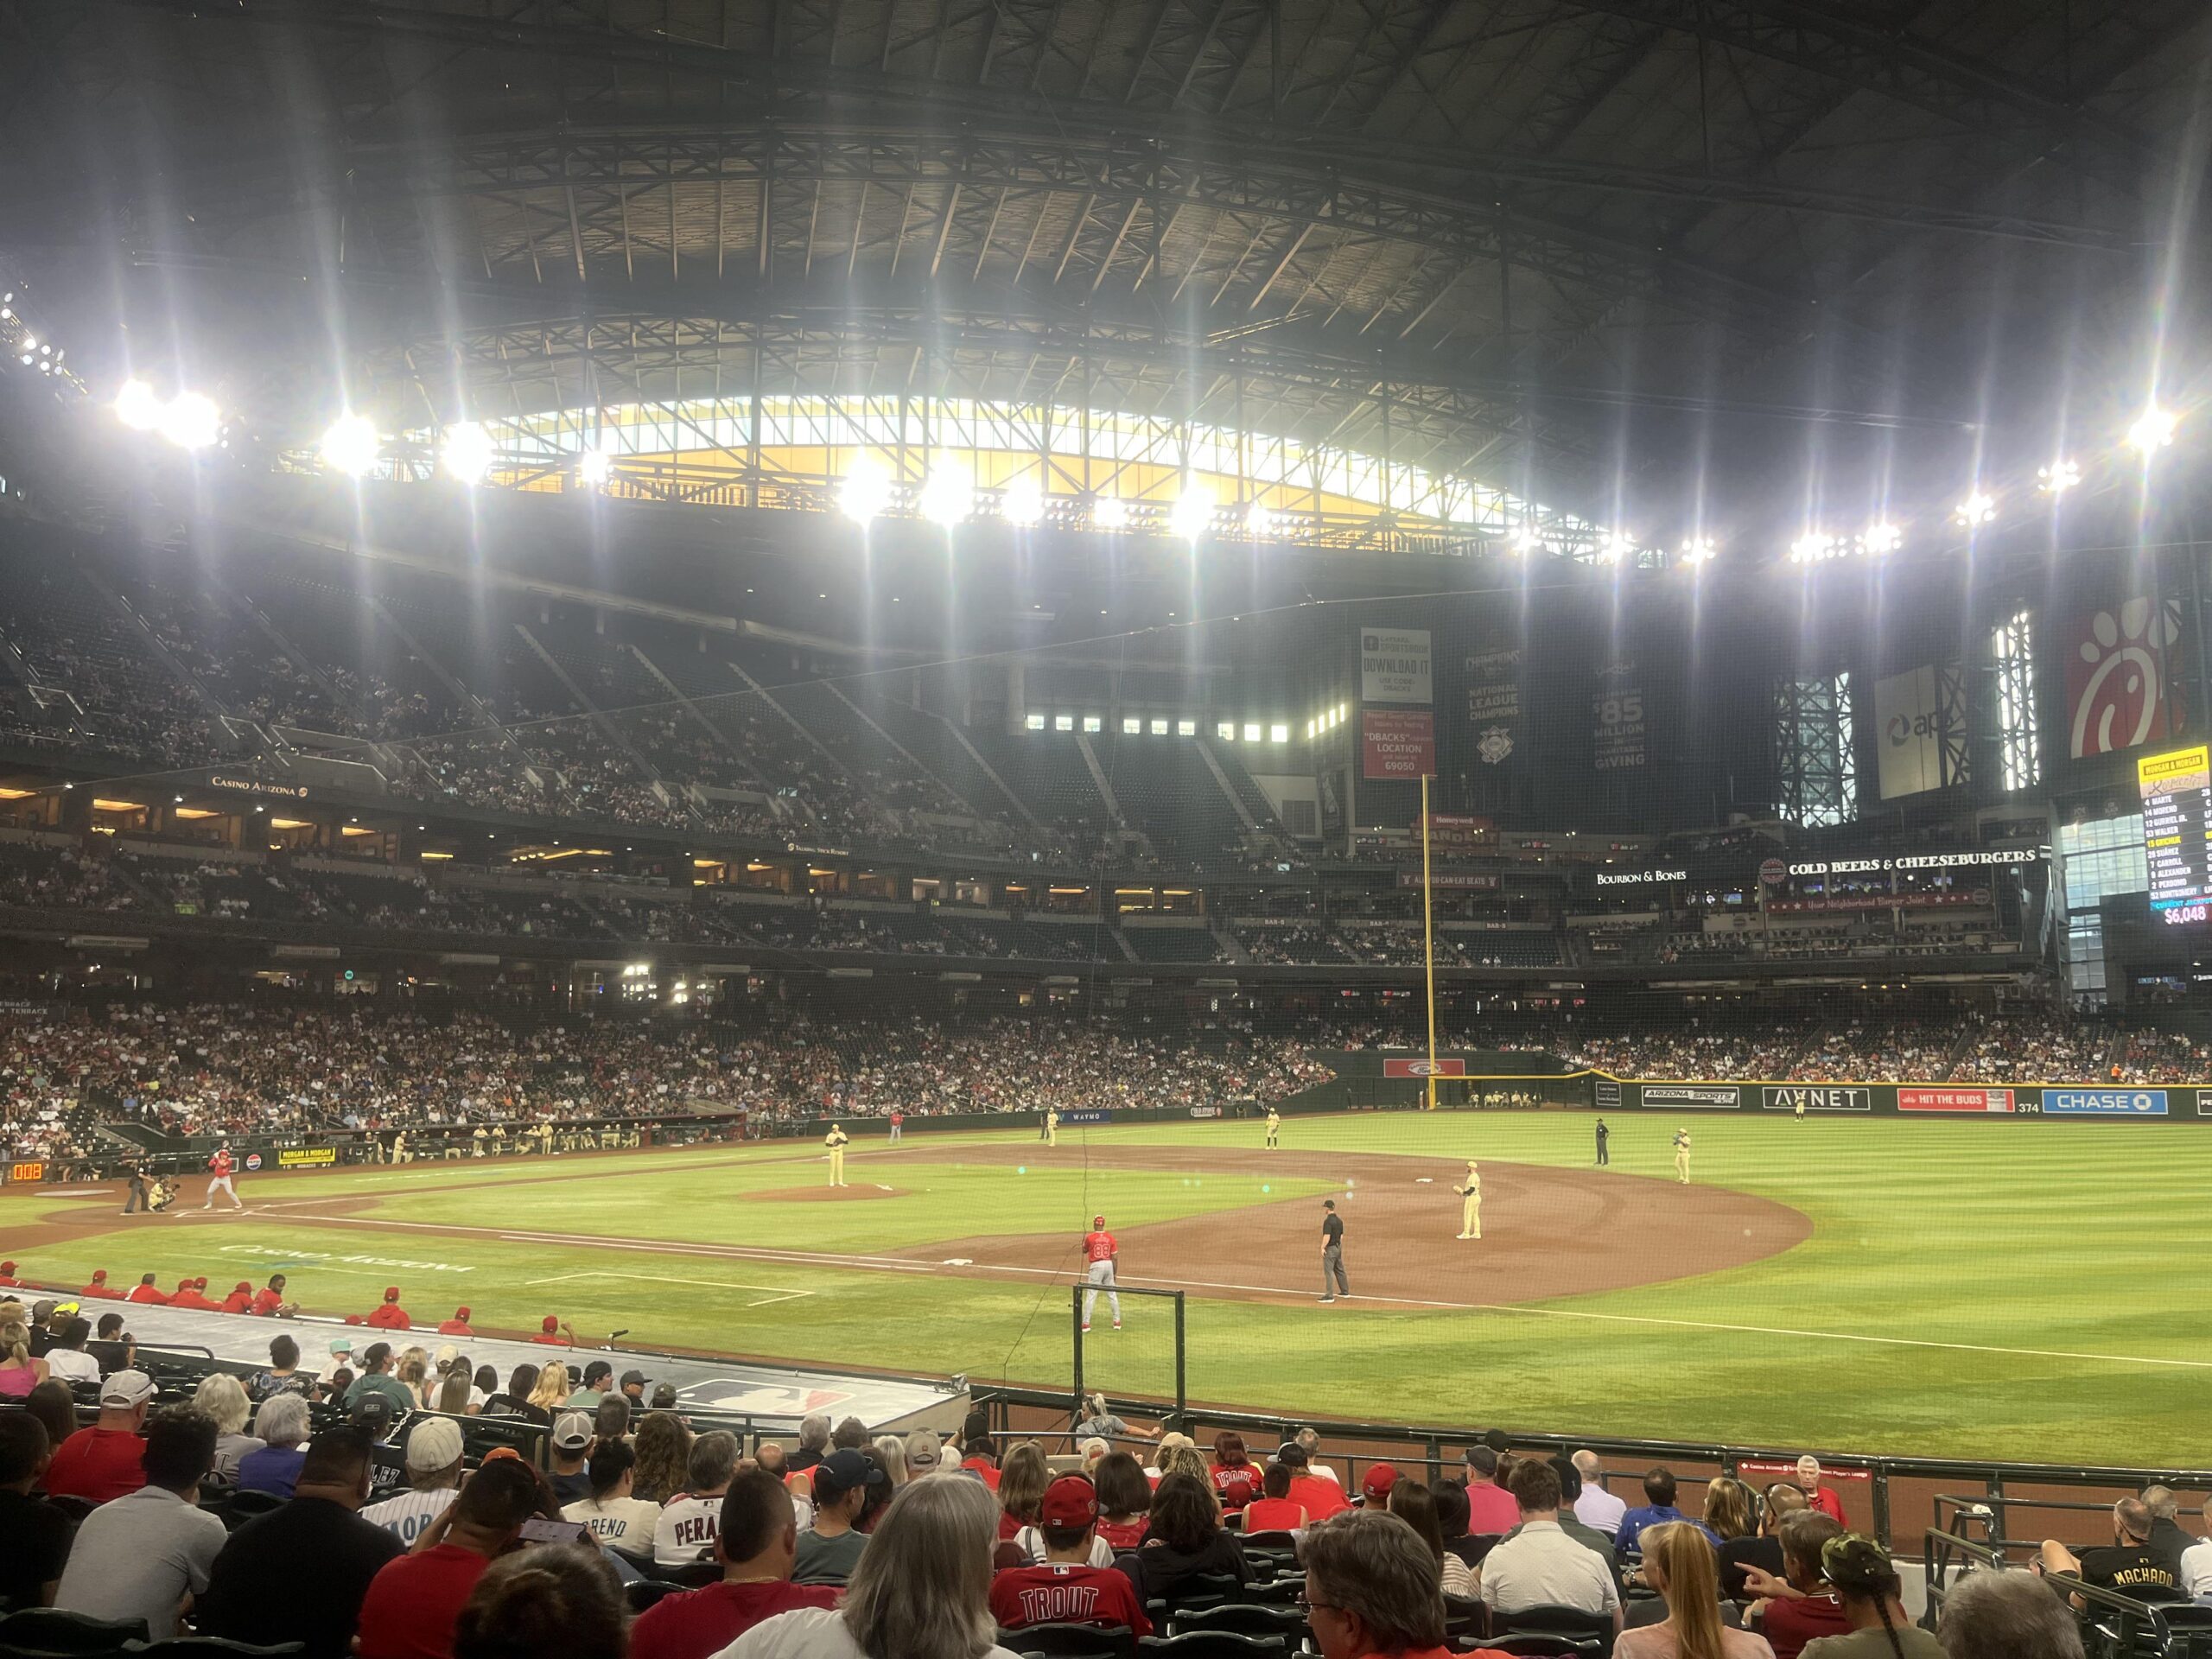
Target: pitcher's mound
(852, 1194)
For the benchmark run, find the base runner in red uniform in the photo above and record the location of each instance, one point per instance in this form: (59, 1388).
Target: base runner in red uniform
(1100, 1252)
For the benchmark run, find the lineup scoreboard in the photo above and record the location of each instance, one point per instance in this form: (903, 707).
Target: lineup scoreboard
(2177, 790)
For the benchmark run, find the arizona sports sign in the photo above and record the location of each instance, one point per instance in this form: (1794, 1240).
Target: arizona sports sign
(1424, 1068)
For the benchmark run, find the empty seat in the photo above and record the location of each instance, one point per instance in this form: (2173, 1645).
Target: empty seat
(1071, 1641)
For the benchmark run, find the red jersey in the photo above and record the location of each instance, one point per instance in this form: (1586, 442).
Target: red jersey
(189, 1296)
(1123, 1535)
(414, 1601)
(11, 1282)
(237, 1302)
(551, 1340)
(456, 1328)
(1099, 1247)
(1273, 1515)
(987, 1473)
(267, 1302)
(388, 1316)
(1824, 1499)
(98, 1465)
(219, 1164)
(1061, 1593)
(1235, 1484)
(1318, 1495)
(698, 1623)
(146, 1294)
(101, 1293)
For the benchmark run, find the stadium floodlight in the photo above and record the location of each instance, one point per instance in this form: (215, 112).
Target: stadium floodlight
(1698, 549)
(191, 420)
(138, 406)
(1617, 545)
(865, 491)
(1259, 521)
(595, 467)
(1192, 514)
(1814, 546)
(350, 445)
(2058, 478)
(1881, 538)
(468, 451)
(1978, 508)
(1110, 512)
(948, 496)
(2153, 430)
(1526, 540)
(1023, 504)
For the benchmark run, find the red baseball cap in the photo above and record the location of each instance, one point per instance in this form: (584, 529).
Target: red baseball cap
(99, 1276)
(392, 1293)
(185, 1283)
(1070, 1501)
(462, 1313)
(1098, 1221)
(246, 1285)
(200, 1283)
(549, 1324)
(7, 1266)
(1379, 1479)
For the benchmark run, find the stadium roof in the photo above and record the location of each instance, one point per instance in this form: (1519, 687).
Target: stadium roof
(1653, 259)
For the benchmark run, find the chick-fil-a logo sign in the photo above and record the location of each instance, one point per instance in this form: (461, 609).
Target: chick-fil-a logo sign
(2116, 677)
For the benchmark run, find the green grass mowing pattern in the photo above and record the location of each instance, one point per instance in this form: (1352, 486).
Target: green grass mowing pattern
(1992, 1235)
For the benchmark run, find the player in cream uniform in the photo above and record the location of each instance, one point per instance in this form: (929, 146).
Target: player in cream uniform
(1099, 1255)
(1682, 1156)
(1274, 1128)
(836, 1141)
(1471, 1210)
(1051, 1127)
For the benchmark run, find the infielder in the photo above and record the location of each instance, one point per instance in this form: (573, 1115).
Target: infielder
(1470, 1211)
(1682, 1156)
(835, 1141)
(1052, 1127)
(1274, 1128)
(218, 1176)
(1100, 1252)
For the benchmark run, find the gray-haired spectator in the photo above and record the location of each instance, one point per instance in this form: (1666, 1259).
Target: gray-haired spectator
(685, 1532)
(2127, 1563)
(1594, 1506)
(1371, 1588)
(282, 1426)
(813, 1441)
(2006, 1615)
(2167, 1540)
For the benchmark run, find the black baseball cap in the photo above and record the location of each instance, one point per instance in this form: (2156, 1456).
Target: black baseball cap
(845, 1469)
(598, 1368)
(634, 1379)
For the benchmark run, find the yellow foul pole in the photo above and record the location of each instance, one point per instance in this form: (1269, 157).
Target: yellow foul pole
(1429, 940)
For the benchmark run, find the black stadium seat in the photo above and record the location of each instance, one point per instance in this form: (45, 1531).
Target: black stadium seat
(45, 1631)
(212, 1647)
(1071, 1641)
(1570, 1622)
(1242, 1618)
(1212, 1644)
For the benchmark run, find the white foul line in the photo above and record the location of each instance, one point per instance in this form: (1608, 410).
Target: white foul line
(893, 1264)
(771, 1293)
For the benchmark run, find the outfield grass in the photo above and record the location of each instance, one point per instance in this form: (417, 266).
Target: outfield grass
(1973, 1288)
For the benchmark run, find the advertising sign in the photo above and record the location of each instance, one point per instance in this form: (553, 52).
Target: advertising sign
(1494, 703)
(1394, 665)
(1954, 1100)
(1461, 832)
(1617, 718)
(1397, 744)
(252, 1162)
(2177, 791)
(1817, 1097)
(1451, 881)
(2104, 1102)
(1909, 715)
(1206, 1111)
(2116, 687)
(1607, 1095)
(1691, 1094)
(1089, 1114)
(1425, 1068)
(304, 1157)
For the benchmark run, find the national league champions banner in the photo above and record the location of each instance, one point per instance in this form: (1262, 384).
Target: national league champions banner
(1494, 703)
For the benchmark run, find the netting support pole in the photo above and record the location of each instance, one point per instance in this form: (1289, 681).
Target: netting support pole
(1074, 1321)
(1182, 1392)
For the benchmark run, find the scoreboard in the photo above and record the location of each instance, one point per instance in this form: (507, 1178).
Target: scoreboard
(2177, 790)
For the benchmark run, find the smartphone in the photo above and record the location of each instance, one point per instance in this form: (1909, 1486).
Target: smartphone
(540, 1530)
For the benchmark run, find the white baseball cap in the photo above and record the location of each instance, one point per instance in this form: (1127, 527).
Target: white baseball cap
(126, 1388)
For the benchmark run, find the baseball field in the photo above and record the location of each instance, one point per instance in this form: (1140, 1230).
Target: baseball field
(2013, 1289)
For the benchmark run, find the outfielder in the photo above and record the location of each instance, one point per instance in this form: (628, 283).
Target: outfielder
(1682, 1156)
(1100, 1252)
(1470, 1212)
(835, 1141)
(1274, 1128)
(219, 1176)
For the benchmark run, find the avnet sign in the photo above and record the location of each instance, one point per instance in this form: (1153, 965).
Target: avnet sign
(2104, 1102)
(1817, 1097)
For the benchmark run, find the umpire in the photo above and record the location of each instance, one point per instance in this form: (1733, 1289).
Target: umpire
(1333, 1283)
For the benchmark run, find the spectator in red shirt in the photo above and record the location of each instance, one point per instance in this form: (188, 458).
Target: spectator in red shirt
(1124, 1497)
(1235, 1477)
(389, 1315)
(551, 1333)
(103, 1461)
(1274, 1511)
(269, 1301)
(1318, 1495)
(414, 1602)
(756, 1543)
(1802, 1606)
(457, 1326)
(99, 1289)
(144, 1291)
(1817, 1497)
(1066, 1589)
(1371, 1590)
(240, 1300)
(1490, 1508)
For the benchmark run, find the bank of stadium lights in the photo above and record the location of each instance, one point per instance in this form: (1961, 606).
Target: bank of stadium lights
(1617, 547)
(1110, 512)
(1526, 541)
(189, 420)
(865, 491)
(1698, 549)
(1192, 514)
(595, 467)
(2058, 478)
(1259, 521)
(350, 445)
(468, 451)
(947, 498)
(2152, 430)
(1975, 508)
(1023, 502)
